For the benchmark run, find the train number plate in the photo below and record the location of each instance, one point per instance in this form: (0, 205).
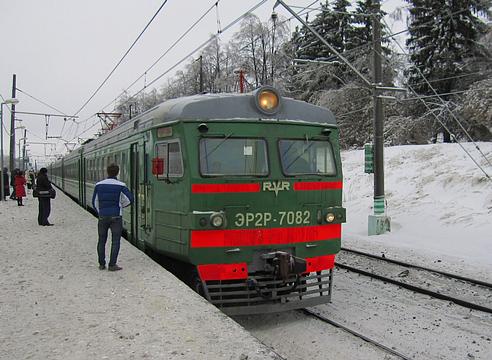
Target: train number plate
(264, 219)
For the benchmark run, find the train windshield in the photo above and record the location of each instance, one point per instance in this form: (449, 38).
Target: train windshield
(307, 157)
(226, 156)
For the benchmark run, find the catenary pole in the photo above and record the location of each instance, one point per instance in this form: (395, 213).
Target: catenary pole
(378, 116)
(12, 126)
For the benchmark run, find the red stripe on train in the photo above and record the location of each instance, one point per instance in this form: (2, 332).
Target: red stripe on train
(318, 185)
(224, 188)
(258, 237)
(319, 263)
(223, 271)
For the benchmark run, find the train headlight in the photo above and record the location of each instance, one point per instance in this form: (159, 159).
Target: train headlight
(330, 217)
(217, 220)
(267, 100)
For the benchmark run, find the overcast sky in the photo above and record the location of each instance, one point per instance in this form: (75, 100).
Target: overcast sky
(61, 51)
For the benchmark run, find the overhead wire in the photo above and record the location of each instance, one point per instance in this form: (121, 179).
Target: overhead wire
(179, 62)
(164, 54)
(42, 102)
(452, 114)
(172, 46)
(447, 108)
(122, 58)
(202, 45)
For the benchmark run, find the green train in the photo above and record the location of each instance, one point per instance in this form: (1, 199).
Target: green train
(245, 188)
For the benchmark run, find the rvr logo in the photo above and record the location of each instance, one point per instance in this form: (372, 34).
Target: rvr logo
(276, 186)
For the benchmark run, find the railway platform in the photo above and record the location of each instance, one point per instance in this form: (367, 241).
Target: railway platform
(56, 304)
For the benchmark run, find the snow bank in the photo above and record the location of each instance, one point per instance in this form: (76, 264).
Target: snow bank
(439, 201)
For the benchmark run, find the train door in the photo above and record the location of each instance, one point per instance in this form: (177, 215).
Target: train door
(139, 183)
(79, 181)
(82, 164)
(62, 174)
(134, 185)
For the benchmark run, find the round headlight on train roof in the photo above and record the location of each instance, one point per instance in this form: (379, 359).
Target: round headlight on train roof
(267, 100)
(330, 217)
(217, 220)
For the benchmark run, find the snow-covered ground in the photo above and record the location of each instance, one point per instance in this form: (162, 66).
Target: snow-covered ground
(439, 201)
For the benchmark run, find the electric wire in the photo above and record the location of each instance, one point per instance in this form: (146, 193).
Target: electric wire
(3, 124)
(453, 115)
(122, 58)
(202, 45)
(164, 54)
(449, 110)
(42, 102)
(169, 49)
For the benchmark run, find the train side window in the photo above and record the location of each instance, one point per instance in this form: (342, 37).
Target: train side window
(170, 153)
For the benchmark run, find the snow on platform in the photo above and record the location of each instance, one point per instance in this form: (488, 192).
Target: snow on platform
(56, 304)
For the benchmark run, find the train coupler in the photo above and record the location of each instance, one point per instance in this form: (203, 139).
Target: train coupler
(284, 264)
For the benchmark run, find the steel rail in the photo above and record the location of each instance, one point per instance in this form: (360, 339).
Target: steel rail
(454, 276)
(417, 289)
(355, 333)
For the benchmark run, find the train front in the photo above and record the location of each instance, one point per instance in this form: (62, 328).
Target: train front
(267, 200)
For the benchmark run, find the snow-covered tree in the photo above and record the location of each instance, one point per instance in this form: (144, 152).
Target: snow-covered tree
(443, 34)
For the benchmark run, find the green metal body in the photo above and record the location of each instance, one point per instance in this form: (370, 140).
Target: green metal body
(166, 209)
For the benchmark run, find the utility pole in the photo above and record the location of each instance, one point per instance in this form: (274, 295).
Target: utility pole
(378, 223)
(274, 20)
(24, 151)
(12, 126)
(201, 74)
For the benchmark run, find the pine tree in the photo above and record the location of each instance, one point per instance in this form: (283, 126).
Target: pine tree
(443, 33)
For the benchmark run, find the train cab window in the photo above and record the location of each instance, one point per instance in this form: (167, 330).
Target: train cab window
(222, 157)
(170, 153)
(306, 157)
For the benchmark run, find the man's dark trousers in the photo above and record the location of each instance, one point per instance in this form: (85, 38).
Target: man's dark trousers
(44, 210)
(116, 225)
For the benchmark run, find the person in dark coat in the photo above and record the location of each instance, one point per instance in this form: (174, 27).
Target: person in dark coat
(6, 187)
(12, 183)
(20, 190)
(43, 184)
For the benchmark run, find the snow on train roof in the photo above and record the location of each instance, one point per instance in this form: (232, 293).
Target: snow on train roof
(236, 106)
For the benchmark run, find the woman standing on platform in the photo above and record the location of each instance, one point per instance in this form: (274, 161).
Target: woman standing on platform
(43, 184)
(12, 183)
(20, 190)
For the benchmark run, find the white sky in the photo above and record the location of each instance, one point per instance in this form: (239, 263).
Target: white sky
(61, 50)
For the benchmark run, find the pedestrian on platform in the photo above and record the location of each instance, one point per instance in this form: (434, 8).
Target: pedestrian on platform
(32, 178)
(44, 209)
(29, 180)
(109, 198)
(20, 190)
(12, 183)
(6, 187)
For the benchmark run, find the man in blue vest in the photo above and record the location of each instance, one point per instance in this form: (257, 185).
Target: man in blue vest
(109, 198)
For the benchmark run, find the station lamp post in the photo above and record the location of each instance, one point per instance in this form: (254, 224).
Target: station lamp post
(7, 102)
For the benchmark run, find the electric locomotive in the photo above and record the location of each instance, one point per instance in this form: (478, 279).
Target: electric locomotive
(246, 188)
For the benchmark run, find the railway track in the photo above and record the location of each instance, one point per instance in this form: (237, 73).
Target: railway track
(470, 293)
(356, 334)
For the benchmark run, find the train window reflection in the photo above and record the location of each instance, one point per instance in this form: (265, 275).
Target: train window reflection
(170, 152)
(220, 157)
(306, 157)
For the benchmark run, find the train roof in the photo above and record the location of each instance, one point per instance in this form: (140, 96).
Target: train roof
(209, 107)
(235, 106)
